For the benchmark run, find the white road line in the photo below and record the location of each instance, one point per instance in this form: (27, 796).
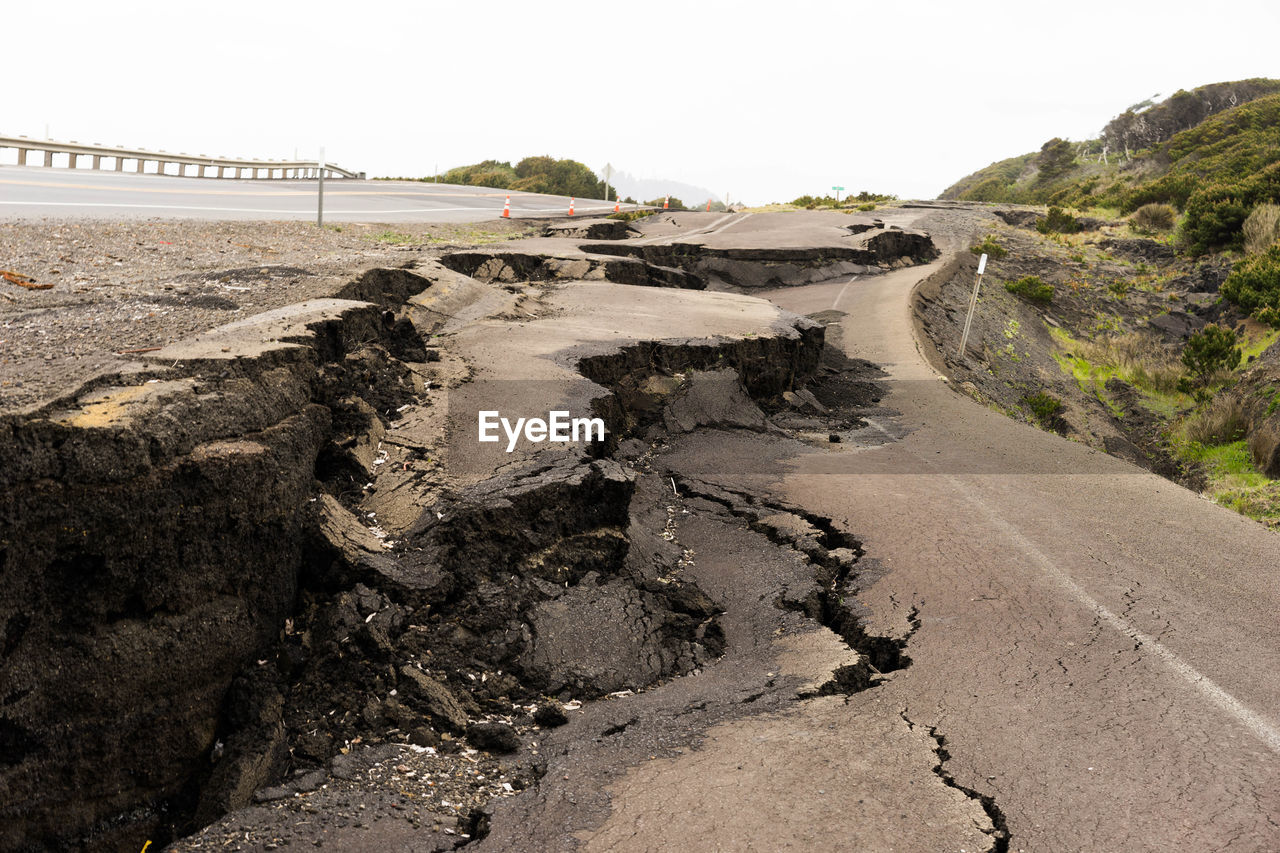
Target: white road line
(835, 306)
(737, 221)
(694, 233)
(365, 211)
(1264, 728)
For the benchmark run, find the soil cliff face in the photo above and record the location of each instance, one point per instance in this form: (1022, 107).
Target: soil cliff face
(191, 608)
(151, 532)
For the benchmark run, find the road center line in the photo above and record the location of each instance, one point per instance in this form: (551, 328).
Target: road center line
(1263, 728)
(835, 305)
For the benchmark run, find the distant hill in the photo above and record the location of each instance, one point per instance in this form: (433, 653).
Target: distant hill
(1213, 153)
(651, 188)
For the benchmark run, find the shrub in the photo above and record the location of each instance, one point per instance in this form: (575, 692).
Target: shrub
(864, 196)
(991, 248)
(1209, 350)
(1262, 228)
(1031, 289)
(487, 173)
(1046, 409)
(871, 205)
(532, 174)
(1215, 217)
(1154, 217)
(1222, 421)
(1270, 316)
(676, 204)
(1254, 283)
(1058, 222)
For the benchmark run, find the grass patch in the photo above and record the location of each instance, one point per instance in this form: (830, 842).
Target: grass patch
(1134, 358)
(1224, 420)
(1230, 466)
(394, 238)
(1233, 481)
(1257, 347)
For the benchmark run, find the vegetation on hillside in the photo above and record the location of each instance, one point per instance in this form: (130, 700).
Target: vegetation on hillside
(859, 201)
(1213, 154)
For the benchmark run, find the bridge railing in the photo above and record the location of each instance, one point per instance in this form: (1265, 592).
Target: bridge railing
(204, 167)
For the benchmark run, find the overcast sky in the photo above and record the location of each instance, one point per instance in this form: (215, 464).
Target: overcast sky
(765, 101)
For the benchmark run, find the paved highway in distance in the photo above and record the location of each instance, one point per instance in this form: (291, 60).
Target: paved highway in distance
(28, 192)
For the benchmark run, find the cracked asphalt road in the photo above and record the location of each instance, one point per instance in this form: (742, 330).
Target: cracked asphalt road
(1098, 646)
(1097, 652)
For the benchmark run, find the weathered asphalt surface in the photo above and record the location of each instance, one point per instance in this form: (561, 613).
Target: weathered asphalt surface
(1094, 650)
(28, 192)
(1097, 646)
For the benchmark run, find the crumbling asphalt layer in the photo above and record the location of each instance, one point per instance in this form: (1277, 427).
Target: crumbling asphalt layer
(374, 653)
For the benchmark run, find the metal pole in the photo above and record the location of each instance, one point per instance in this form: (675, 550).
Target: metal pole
(320, 196)
(973, 304)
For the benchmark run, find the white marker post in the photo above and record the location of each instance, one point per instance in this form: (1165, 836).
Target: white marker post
(320, 196)
(973, 304)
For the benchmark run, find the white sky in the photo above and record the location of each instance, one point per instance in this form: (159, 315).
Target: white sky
(765, 101)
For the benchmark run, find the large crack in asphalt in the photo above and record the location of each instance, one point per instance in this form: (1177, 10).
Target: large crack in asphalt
(458, 642)
(1000, 837)
(834, 555)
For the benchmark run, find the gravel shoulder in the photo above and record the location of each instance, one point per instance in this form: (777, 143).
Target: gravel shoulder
(110, 289)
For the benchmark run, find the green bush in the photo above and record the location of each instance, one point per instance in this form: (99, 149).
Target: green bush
(1046, 409)
(809, 202)
(864, 196)
(676, 204)
(1031, 289)
(990, 248)
(1154, 217)
(487, 173)
(1210, 350)
(1215, 218)
(532, 174)
(1254, 283)
(1058, 222)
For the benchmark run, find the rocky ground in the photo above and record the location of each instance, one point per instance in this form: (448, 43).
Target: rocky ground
(245, 569)
(107, 289)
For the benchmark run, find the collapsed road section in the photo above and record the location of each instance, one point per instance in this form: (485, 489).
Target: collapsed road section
(264, 566)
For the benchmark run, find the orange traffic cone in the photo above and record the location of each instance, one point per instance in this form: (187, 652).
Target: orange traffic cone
(616, 202)
(571, 207)
(506, 209)
(666, 202)
(708, 206)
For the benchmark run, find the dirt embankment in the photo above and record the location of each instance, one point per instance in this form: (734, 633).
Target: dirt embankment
(1098, 360)
(197, 606)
